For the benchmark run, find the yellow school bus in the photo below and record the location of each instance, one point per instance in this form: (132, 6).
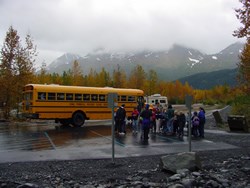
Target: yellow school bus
(75, 104)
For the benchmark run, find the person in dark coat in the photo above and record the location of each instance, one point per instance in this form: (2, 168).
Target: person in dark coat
(169, 117)
(120, 119)
(181, 124)
(146, 114)
(195, 124)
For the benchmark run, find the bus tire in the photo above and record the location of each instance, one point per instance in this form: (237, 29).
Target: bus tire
(78, 119)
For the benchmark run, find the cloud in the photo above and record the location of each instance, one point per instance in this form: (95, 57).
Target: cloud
(80, 26)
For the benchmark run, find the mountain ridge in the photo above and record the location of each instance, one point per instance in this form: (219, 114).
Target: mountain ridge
(174, 63)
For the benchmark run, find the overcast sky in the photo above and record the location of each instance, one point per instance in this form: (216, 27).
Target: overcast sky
(83, 26)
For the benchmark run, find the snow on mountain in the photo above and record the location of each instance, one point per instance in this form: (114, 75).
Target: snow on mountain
(65, 59)
(172, 64)
(193, 62)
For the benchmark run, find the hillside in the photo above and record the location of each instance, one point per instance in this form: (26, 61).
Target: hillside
(208, 80)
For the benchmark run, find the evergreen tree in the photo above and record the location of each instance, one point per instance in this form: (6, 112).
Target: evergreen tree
(55, 78)
(67, 78)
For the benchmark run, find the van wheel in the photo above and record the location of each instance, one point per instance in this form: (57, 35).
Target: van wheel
(78, 119)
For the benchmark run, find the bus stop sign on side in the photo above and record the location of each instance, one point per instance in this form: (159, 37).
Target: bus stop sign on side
(188, 101)
(112, 98)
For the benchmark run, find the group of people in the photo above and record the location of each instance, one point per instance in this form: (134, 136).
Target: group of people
(170, 122)
(159, 120)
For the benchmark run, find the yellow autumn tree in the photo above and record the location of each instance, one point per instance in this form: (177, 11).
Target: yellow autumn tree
(119, 78)
(43, 77)
(103, 78)
(150, 86)
(76, 74)
(91, 78)
(16, 68)
(136, 78)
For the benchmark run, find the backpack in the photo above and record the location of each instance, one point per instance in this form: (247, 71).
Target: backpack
(196, 121)
(119, 114)
(170, 113)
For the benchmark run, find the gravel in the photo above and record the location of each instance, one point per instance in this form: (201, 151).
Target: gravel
(223, 168)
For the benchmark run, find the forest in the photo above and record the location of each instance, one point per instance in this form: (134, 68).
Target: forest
(139, 79)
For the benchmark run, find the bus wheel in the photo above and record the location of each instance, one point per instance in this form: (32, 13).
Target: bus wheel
(78, 119)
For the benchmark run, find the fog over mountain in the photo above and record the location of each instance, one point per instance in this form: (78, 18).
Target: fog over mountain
(172, 64)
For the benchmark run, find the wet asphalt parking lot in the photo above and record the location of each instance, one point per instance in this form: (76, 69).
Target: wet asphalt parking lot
(44, 140)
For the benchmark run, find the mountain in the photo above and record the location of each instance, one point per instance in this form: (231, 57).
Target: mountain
(175, 63)
(208, 80)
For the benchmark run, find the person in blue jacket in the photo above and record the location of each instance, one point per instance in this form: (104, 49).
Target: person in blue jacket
(202, 118)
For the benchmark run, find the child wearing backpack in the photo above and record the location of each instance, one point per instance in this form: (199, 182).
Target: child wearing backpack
(195, 124)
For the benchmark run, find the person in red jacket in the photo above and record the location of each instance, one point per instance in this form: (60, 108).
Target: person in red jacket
(135, 115)
(153, 119)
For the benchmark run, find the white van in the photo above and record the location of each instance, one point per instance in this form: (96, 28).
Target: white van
(157, 98)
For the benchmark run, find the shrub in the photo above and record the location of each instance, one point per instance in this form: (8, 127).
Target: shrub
(241, 106)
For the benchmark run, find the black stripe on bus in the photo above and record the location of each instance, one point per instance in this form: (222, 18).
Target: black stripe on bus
(38, 112)
(46, 112)
(84, 101)
(68, 106)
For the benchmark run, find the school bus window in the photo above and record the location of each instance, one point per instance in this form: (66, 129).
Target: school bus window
(29, 96)
(78, 97)
(94, 97)
(118, 98)
(41, 96)
(123, 98)
(69, 96)
(131, 98)
(60, 96)
(140, 100)
(51, 96)
(86, 97)
(101, 97)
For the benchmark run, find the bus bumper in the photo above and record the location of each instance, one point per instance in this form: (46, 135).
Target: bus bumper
(31, 116)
